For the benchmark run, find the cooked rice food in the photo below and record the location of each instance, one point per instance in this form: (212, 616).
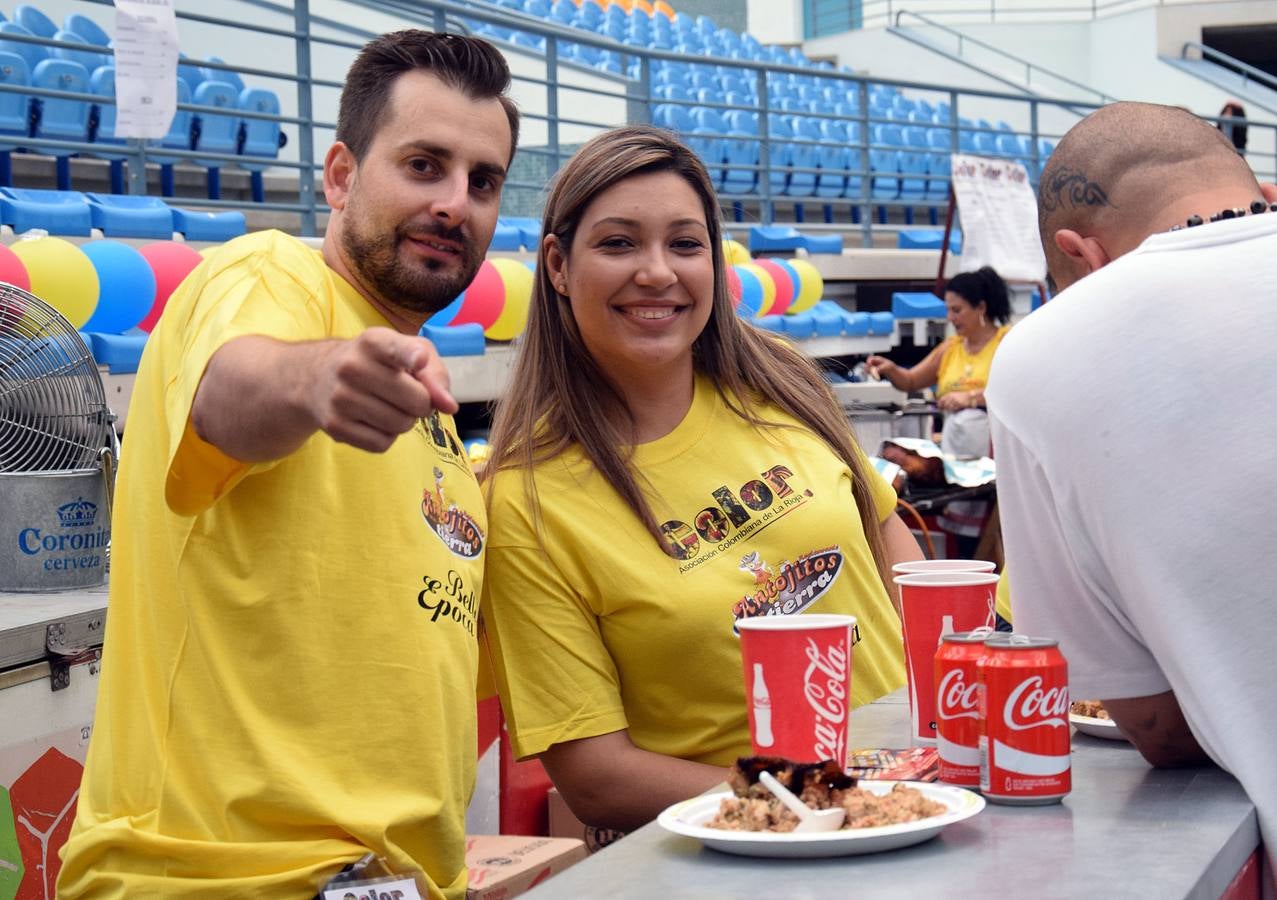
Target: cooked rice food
(820, 786)
(1091, 709)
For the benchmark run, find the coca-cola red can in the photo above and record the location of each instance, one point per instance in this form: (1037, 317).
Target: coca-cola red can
(1024, 721)
(798, 685)
(958, 707)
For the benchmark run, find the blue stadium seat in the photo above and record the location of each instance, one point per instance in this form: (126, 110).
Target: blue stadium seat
(131, 215)
(216, 133)
(884, 162)
(15, 108)
(917, 305)
(189, 72)
(260, 137)
(456, 340)
(803, 156)
(208, 226)
(60, 118)
(34, 21)
(928, 239)
(120, 353)
(86, 29)
(90, 59)
(34, 54)
(505, 237)
(743, 150)
(529, 230)
(178, 138)
(231, 78)
(784, 238)
(938, 164)
(57, 212)
(102, 125)
(914, 164)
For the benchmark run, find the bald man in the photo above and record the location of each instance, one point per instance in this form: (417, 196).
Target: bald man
(1132, 421)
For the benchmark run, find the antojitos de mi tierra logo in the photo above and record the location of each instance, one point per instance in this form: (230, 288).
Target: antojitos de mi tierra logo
(790, 588)
(455, 527)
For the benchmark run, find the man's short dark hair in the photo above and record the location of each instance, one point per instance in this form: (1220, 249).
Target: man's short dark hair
(470, 65)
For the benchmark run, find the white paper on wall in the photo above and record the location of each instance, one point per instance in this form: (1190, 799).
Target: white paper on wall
(146, 54)
(999, 217)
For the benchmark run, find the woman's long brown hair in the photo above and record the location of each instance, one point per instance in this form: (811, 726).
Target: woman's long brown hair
(558, 395)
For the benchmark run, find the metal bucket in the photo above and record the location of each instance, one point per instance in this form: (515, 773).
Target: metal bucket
(55, 529)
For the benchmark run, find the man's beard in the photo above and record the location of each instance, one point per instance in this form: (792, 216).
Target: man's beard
(419, 288)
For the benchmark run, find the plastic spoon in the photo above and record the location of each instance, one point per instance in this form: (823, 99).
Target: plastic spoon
(808, 819)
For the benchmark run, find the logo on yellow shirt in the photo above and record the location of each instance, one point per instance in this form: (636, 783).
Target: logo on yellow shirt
(792, 589)
(736, 515)
(455, 527)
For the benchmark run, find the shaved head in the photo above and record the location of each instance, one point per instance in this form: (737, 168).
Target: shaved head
(1127, 170)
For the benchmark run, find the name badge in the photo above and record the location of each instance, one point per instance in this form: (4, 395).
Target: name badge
(375, 889)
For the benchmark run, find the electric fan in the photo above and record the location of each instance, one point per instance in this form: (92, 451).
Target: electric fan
(57, 451)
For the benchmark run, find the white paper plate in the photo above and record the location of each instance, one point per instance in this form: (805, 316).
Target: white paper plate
(1100, 728)
(689, 817)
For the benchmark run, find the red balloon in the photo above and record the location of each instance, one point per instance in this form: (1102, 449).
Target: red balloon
(485, 298)
(12, 269)
(785, 287)
(171, 262)
(734, 286)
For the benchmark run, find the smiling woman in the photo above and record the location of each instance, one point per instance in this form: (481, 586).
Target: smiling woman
(659, 470)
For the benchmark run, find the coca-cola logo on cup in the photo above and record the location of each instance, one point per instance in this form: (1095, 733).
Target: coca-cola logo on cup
(1032, 706)
(825, 688)
(957, 699)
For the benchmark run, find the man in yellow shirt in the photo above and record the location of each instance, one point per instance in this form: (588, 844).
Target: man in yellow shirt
(290, 658)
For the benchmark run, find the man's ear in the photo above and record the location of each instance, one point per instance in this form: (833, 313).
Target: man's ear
(339, 174)
(1269, 190)
(1086, 252)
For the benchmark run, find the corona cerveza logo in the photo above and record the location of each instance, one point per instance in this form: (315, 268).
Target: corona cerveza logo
(79, 513)
(455, 527)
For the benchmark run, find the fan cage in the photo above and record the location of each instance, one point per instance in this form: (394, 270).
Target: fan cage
(53, 411)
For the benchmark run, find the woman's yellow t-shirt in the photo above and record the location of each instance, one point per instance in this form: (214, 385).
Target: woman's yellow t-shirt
(963, 371)
(597, 627)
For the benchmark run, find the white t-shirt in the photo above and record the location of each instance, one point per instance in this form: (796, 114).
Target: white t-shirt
(1134, 422)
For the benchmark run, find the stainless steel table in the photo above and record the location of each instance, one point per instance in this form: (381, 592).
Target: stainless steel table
(1125, 831)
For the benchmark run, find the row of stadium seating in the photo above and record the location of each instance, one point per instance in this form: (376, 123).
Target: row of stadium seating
(72, 213)
(74, 67)
(816, 148)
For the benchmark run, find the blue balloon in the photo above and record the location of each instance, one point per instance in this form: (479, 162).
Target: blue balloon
(126, 286)
(443, 318)
(751, 294)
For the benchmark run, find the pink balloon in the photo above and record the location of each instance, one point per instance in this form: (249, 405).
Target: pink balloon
(171, 262)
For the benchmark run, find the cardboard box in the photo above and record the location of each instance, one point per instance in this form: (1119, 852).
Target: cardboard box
(504, 866)
(563, 824)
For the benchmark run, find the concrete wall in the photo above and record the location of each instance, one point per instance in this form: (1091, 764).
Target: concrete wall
(776, 21)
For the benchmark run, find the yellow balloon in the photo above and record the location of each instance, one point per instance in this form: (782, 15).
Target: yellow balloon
(769, 287)
(811, 286)
(61, 276)
(517, 279)
(735, 251)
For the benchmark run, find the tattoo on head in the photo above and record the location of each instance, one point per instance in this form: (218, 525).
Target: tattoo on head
(1063, 186)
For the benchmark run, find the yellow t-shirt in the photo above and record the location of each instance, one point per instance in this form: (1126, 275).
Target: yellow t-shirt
(963, 371)
(290, 655)
(601, 629)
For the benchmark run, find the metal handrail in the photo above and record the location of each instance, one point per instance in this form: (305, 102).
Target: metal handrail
(877, 11)
(1248, 72)
(1029, 66)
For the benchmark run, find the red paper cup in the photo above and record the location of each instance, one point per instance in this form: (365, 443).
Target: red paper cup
(798, 685)
(927, 566)
(934, 604)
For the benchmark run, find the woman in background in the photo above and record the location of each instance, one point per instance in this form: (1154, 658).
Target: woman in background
(659, 471)
(979, 311)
